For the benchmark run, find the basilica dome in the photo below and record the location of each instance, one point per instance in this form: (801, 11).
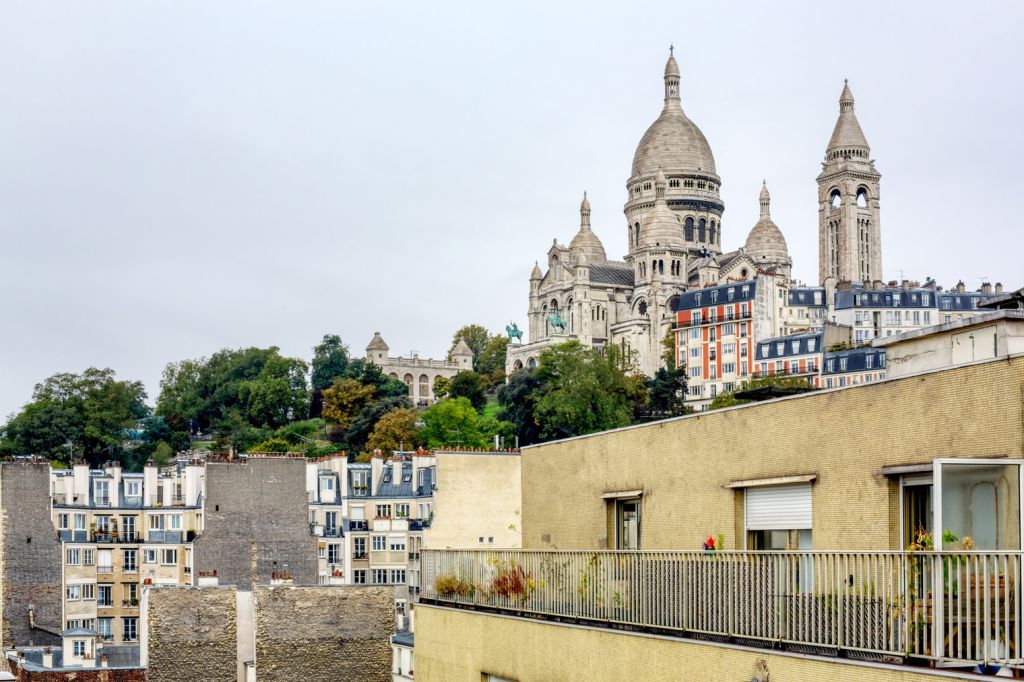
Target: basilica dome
(673, 142)
(586, 243)
(766, 243)
(661, 226)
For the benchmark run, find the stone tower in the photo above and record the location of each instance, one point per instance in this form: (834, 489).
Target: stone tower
(849, 235)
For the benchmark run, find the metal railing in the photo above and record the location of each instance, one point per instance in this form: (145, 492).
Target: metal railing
(956, 608)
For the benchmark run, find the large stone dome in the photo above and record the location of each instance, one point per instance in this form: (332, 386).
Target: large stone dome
(661, 226)
(766, 243)
(673, 143)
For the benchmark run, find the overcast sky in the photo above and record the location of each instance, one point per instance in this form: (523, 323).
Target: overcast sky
(180, 177)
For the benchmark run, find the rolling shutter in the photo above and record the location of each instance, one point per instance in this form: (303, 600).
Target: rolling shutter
(779, 507)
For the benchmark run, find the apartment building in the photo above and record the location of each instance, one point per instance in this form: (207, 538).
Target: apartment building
(818, 581)
(851, 367)
(797, 355)
(118, 532)
(805, 311)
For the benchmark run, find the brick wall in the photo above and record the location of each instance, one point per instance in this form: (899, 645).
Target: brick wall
(844, 436)
(324, 634)
(192, 634)
(108, 675)
(256, 523)
(30, 556)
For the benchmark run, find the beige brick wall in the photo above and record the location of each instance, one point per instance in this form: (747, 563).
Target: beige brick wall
(844, 436)
(457, 646)
(479, 494)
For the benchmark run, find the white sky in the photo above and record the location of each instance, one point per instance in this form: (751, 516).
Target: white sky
(179, 177)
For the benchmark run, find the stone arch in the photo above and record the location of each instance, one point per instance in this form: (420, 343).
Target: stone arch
(424, 387)
(408, 382)
(517, 365)
(863, 196)
(702, 228)
(531, 363)
(688, 228)
(393, 375)
(835, 198)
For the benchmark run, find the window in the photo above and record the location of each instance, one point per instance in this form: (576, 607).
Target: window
(89, 591)
(156, 522)
(402, 510)
(811, 343)
(174, 521)
(133, 489)
(105, 597)
(62, 520)
(79, 521)
(359, 547)
(830, 365)
(359, 485)
(695, 335)
(842, 364)
(169, 556)
(397, 544)
(795, 347)
(398, 576)
(780, 348)
(869, 361)
(695, 352)
(743, 350)
(379, 543)
(764, 350)
(131, 629)
(728, 368)
(78, 647)
(359, 576)
(149, 556)
(380, 576)
(383, 511)
(627, 524)
(74, 557)
(128, 528)
(87, 557)
(334, 553)
(727, 330)
(74, 592)
(101, 493)
(105, 561)
(105, 628)
(728, 349)
(695, 372)
(130, 592)
(778, 517)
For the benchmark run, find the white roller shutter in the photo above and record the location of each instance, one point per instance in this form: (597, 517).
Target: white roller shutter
(779, 507)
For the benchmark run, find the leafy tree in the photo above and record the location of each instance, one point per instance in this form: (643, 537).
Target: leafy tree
(387, 387)
(583, 391)
(395, 430)
(518, 402)
(476, 337)
(468, 384)
(359, 430)
(490, 363)
(730, 399)
(668, 349)
(271, 445)
(667, 392)
(73, 415)
(455, 422)
(344, 399)
(302, 434)
(440, 387)
(162, 454)
(331, 361)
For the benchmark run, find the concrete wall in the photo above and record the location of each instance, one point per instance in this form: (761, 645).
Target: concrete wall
(457, 646)
(844, 436)
(30, 556)
(479, 494)
(953, 344)
(257, 523)
(191, 634)
(324, 634)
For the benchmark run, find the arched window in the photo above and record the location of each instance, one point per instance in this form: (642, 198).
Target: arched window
(424, 386)
(531, 363)
(743, 273)
(661, 267)
(702, 228)
(408, 382)
(636, 228)
(862, 198)
(836, 199)
(688, 229)
(517, 365)
(711, 233)
(642, 308)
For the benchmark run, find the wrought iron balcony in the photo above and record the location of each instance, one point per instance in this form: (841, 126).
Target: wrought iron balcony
(951, 608)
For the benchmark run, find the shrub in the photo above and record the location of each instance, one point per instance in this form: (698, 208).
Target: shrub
(450, 585)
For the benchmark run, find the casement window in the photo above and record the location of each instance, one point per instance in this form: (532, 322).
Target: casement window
(87, 557)
(401, 511)
(62, 521)
(104, 561)
(627, 524)
(811, 344)
(169, 557)
(359, 576)
(105, 595)
(156, 522)
(73, 592)
(380, 576)
(334, 553)
(133, 489)
(398, 576)
(174, 521)
(379, 543)
(130, 592)
(397, 544)
(78, 647)
(383, 511)
(359, 547)
(105, 628)
(74, 557)
(128, 528)
(79, 521)
(101, 493)
(130, 629)
(149, 556)
(89, 591)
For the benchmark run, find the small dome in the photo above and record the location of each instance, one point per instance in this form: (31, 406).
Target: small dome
(847, 132)
(662, 227)
(377, 343)
(586, 243)
(536, 273)
(766, 243)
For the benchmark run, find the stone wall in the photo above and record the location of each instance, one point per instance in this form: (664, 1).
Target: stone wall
(108, 675)
(324, 634)
(30, 557)
(256, 523)
(191, 634)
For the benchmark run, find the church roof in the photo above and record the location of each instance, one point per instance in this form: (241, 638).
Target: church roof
(766, 243)
(673, 141)
(585, 245)
(462, 348)
(847, 132)
(377, 343)
(615, 273)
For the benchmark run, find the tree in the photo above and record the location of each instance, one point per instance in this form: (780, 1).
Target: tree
(667, 392)
(344, 400)
(518, 401)
(468, 384)
(330, 361)
(490, 363)
(162, 454)
(272, 445)
(730, 399)
(583, 391)
(440, 387)
(476, 337)
(359, 430)
(395, 430)
(454, 422)
(71, 415)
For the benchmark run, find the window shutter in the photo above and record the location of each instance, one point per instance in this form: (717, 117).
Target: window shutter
(779, 507)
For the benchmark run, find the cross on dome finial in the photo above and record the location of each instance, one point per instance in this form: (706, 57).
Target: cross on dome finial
(671, 50)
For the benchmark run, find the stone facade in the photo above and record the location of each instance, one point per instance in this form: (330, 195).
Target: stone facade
(477, 501)
(256, 523)
(30, 557)
(191, 634)
(418, 373)
(323, 634)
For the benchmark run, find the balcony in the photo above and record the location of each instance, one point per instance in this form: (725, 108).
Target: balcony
(358, 525)
(419, 524)
(113, 537)
(358, 556)
(945, 609)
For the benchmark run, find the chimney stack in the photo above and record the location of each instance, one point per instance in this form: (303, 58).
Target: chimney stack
(47, 657)
(986, 288)
(960, 288)
(999, 287)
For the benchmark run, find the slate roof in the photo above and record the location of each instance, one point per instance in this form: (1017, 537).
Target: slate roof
(802, 342)
(616, 273)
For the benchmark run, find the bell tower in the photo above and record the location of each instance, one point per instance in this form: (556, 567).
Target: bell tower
(849, 235)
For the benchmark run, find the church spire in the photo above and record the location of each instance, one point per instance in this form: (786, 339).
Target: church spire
(671, 79)
(765, 199)
(846, 99)
(585, 212)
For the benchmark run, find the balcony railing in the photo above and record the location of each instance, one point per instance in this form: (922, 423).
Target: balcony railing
(358, 525)
(955, 608)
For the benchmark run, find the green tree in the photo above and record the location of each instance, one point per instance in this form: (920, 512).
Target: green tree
(476, 337)
(358, 432)
(667, 392)
(395, 430)
(490, 363)
(162, 454)
(517, 398)
(271, 445)
(583, 391)
(729, 399)
(455, 423)
(345, 399)
(440, 387)
(469, 385)
(331, 361)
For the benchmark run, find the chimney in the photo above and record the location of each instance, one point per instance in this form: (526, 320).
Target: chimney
(905, 285)
(396, 470)
(104, 662)
(47, 657)
(999, 287)
(376, 469)
(986, 288)
(960, 288)
(878, 285)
